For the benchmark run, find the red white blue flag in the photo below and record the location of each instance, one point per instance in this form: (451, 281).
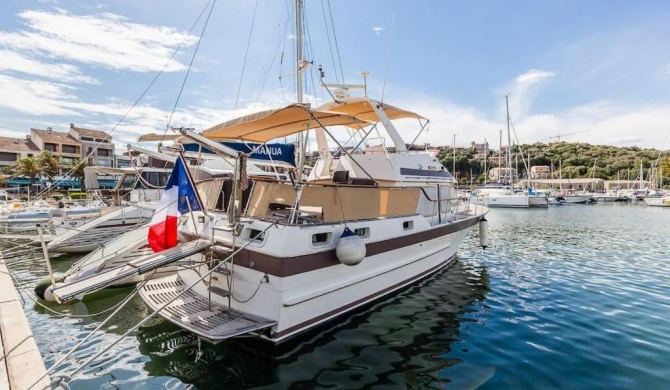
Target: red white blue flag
(179, 198)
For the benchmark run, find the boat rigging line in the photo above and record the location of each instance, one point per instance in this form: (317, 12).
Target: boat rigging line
(246, 54)
(72, 350)
(150, 316)
(330, 45)
(388, 55)
(190, 65)
(146, 90)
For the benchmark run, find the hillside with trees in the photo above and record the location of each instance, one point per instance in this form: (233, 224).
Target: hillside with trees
(576, 160)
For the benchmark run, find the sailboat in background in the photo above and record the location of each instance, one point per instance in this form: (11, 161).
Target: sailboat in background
(502, 194)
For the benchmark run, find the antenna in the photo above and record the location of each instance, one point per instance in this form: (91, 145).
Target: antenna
(365, 82)
(388, 54)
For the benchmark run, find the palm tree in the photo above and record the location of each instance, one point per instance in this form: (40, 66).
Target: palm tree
(49, 164)
(28, 166)
(76, 169)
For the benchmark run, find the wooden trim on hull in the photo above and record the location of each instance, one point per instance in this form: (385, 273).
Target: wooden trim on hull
(304, 326)
(285, 267)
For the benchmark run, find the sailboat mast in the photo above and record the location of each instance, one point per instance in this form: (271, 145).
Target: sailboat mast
(486, 157)
(453, 152)
(509, 144)
(298, 51)
(500, 157)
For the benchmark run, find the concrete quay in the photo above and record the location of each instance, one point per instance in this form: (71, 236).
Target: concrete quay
(20, 361)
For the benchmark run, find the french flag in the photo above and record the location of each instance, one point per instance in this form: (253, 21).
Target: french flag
(179, 198)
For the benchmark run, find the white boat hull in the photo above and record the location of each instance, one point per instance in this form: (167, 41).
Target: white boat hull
(298, 300)
(501, 201)
(538, 201)
(658, 202)
(575, 198)
(98, 232)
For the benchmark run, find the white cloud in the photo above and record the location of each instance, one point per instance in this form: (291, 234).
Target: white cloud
(105, 40)
(35, 97)
(378, 30)
(601, 123)
(523, 91)
(17, 63)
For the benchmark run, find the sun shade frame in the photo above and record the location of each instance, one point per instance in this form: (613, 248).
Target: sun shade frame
(271, 124)
(361, 108)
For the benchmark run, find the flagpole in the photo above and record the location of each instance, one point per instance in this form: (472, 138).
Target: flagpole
(192, 182)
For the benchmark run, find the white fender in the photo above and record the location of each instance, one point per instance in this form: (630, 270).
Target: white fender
(350, 249)
(49, 293)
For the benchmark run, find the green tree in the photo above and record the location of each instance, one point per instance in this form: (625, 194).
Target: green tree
(29, 167)
(76, 169)
(49, 164)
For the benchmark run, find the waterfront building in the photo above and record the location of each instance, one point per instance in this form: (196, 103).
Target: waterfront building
(122, 161)
(15, 149)
(595, 185)
(62, 145)
(97, 147)
(480, 149)
(502, 175)
(540, 172)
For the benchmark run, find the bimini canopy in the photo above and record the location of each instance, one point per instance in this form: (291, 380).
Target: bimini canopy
(361, 108)
(267, 125)
(153, 137)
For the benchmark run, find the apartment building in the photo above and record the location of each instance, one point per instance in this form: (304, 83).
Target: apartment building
(540, 172)
(63, 146)
(502, 175)
(481, 150)
(14, 149)
(96, 146)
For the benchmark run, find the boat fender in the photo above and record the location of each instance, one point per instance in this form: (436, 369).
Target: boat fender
(350, 249)
(49, 293)
(483, 233)
(42, 286)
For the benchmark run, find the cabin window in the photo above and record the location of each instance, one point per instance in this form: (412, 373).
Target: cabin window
(408, 225)
(256, 235)
(321, 238)
(362, 232)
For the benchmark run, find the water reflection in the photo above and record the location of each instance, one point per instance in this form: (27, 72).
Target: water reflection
(404, 340)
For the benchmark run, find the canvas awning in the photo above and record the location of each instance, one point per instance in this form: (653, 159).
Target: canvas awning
(361, 108)
(268, 125)
(153, 137)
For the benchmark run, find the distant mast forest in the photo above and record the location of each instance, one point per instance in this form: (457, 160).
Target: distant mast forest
(568, 160)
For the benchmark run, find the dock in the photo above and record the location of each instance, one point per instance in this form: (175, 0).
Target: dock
(20, 361)
(34, 238)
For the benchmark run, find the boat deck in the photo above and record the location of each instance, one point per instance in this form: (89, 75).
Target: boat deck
(195, 313)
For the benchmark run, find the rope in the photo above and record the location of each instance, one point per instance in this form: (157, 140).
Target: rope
(150, 316)
(244, 63)
(337, 46)
(119, 305)
(330, 46)
(174, 53)
(190, 65)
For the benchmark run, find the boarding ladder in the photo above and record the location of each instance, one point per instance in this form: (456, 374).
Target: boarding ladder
(198, 313)
(138, 266)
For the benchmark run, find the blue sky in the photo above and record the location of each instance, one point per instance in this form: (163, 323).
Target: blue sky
(599, 69)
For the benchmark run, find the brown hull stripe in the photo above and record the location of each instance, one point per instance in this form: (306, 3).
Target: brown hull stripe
(289, 266)
(341, 310)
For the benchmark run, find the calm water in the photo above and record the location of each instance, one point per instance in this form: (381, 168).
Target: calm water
(570, 297)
